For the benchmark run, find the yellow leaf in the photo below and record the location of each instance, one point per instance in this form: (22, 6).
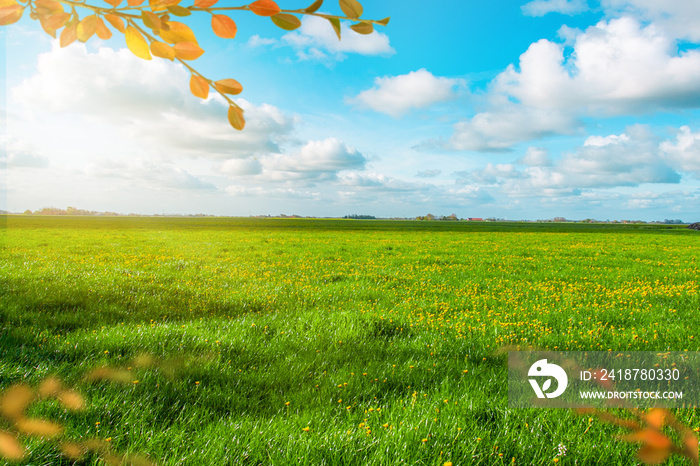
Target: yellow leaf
(362, 28)
(117, 22)
(199, 86)
(107, 373)
(39, 427)
(102, 30)
(188, 50)
(162, 50)
(351, 8)
(286, 21)
(313, 7)
(15, 400)
(136, 43)
(10, 448)
(10, 14)
(71, 400)
(264, 8)
(86, 28)
(235, 117)
(150, 20)
(228, 86)
(73, 451)
(49, 387)
(384, 21)
(177, 32)
(178, 10)
(223, 26)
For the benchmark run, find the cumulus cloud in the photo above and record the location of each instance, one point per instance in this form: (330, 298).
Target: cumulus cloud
(678, 18)
(619, 66)
(397, 95)
(147, 102)
(631, 159)
(684, 152)
(159, 176)
(316, 40)
(543, 7)
(21, 154)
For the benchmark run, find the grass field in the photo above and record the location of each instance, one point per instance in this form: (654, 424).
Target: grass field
(331, 341)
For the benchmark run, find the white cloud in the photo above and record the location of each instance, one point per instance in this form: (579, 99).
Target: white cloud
(329, 155)
(397, 95)
(507, 125)
(542, 7)
(629, 159)
(535, 157)
(21, 154)
(144, 173)
(616, 67)
(678, 18)
(684, 153)
(316, 40)
(240, 167)
(146, 104)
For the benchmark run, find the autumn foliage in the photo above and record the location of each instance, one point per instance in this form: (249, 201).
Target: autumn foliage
(151, 29)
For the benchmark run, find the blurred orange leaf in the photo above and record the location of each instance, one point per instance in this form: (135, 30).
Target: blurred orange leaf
(10, 448)
(264, 8)
(102, 30)
(114, 3)
(223, 26)
(116, 22)
(199, 86)
(235, 117)
(71, 400)
(651, 437)
(177, 32)
(188, 50)
(10, 14)
(228, 86)
(49, 387)
(39, 427)
(15, 400)
(162, 50)
(652, 455)
(86, 28)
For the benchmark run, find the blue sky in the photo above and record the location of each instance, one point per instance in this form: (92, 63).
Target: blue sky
(519, 110)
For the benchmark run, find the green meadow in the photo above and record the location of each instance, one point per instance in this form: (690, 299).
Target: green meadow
(329, 342)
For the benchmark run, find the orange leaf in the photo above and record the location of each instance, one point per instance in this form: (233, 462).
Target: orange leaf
(68, 35)
(656, 418)
(228, 86)
(134, 2)
(351, 8)
(136, 43)
(651, 437)
(86, 28)
(15, 400)
(199, 86)
(10, 14)
(49, 387)
(690, 445)
(47, 7)
(10, 448)
(235, 117)
(117, 22)
(162, 50)
(57, 21)
(187, 50)
(286, 21)
(39, 427)
(223, 26)
(177, 32)
(102, 30)
(114, 3)
(651, 455)
(205, 3)
(264, 8)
